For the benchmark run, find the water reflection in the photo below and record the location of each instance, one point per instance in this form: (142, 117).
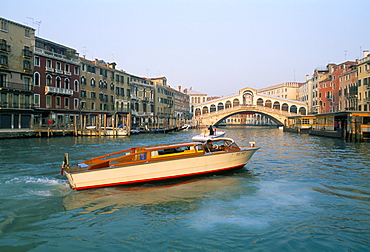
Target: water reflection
(179, 194)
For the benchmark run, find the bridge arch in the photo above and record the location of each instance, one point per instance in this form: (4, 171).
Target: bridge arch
(228, 104)
(248, 99)
(236, 102)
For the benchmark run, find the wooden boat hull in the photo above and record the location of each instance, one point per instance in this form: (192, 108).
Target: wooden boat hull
(160, 170)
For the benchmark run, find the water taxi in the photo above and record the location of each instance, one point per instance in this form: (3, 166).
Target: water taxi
(157, 162)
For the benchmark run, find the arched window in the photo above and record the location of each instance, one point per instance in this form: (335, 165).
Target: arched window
(92, 82)
(276, 105)
(83, 80)
(302, 111)
(220, 106)
(205, 110)
(212, 108)
(48, 80)
(67, 84)
(36, 79)
(259, 102)
(228, 104)
(75, 86)
(268, 104)
(284, 107)
(236, 102)
(197, 112)
(293, 109)
(58, 82)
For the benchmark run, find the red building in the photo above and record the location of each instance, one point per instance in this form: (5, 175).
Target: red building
(56, 83)
(329, 87)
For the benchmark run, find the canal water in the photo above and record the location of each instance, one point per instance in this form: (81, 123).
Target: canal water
(297, 193)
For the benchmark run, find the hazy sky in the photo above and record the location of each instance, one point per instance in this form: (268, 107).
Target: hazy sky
(214, 46)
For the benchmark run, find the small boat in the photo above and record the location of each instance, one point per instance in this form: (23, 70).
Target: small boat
(205, 135)
(157, 162)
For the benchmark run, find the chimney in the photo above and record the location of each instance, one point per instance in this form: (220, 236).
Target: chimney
(179, 88)
(366, 53)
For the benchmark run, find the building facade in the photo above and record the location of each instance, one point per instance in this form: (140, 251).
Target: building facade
(286, 90)
(363, 75)
(142, 103)
(56, 83)
(17, 44)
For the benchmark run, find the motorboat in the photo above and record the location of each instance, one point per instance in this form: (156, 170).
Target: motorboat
(205, 135)
(157, 162)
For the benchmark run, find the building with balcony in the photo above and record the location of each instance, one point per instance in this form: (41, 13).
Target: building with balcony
(98, 87)
(142, 103)
(56, 83)
(181, 107)
(363, 75)
(164, 103)
(348, 89)
(16, 71)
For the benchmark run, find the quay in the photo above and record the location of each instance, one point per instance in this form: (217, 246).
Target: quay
(348, 125)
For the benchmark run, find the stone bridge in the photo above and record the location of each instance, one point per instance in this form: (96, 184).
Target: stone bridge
(248, 100)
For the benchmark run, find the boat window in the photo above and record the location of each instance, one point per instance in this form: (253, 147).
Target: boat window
(175, 150)
(220, 143)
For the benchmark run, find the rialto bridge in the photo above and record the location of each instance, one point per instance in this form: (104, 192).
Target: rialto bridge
(247, 101)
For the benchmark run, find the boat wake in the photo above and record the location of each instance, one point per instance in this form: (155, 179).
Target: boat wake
(40, 186)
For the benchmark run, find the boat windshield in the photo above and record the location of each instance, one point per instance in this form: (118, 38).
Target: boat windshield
(225, 143)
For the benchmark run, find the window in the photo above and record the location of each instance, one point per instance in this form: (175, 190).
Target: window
(36, 79)
(48, 80)
(76, 100)
(83, 80)
(59, 66)
(48, 64)
(67, 84)
(37, 61)
(83, 67)
(57, 102)
(4, 26)
(76, 72)
(26, 64)
(58, 82)
(66, 102)
(27, 33)
(67, 68)
(3, 60)
(48, 101)
(92, 82)
(36, 98)
(75, 85)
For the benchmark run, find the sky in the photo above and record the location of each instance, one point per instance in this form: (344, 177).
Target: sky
(215, 46)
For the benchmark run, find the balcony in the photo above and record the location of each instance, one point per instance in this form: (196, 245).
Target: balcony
(4, 48)
(4, 66)
(67, 73)
(329, 98)
(15, 105)
(134, 97)
(16, 86)
(60, 91)
(49, 69)
(27, 70)
(58, 56)
(27, 54)
(59, 71)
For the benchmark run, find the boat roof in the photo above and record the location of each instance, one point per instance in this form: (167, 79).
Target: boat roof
(181, 144)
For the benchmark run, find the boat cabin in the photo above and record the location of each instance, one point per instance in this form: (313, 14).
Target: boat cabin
(156, 153)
